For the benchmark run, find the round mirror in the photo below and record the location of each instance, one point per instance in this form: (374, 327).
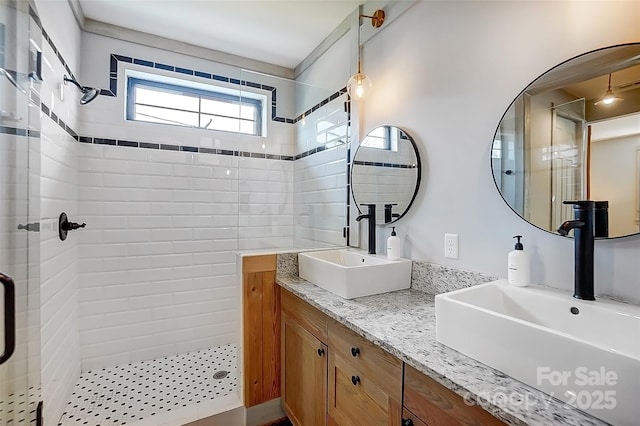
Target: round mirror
(386, 172)
(574, 134)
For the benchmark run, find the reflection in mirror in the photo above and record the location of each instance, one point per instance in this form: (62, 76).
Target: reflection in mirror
(386, 172)
(574, 134)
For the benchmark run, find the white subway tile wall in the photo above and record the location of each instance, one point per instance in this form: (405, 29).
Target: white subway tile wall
(58, 269)
(320, 179)
(157, 260)
(60, 348)
(265, 204)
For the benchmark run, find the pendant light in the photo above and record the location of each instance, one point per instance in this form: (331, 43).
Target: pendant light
(609, 97)
(359, 85)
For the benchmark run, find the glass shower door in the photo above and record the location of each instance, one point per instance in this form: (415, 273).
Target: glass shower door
(19, 215)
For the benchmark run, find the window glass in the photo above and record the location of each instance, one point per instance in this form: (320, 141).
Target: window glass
(158, 102)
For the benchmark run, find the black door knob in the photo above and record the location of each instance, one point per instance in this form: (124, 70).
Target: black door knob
(320, 352)
(407, 422)
(355, 380)
(355, 351)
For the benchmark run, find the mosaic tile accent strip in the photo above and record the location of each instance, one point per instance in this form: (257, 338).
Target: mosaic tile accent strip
(113, 84)
(434, 279)
(20, 408)
(45, 35)
(112, 91)
(133, 392)
(113, 76)
(287, 264)
(391, 165)
(146, 145)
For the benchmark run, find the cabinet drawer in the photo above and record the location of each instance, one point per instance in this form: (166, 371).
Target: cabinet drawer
(373, 362)
(436, 405)
(415, 421)
(310, 318)
(355, 399)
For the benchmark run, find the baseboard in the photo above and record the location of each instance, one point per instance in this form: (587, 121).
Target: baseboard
(267, 413)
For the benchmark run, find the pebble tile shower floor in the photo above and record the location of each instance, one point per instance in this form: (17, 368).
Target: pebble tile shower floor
(133, 392)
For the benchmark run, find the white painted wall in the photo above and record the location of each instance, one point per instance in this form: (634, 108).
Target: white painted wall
(58, 182)
(446, 72)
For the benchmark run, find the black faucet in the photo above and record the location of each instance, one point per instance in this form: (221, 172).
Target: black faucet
(388, 213)
(590, 221)
(371, 217)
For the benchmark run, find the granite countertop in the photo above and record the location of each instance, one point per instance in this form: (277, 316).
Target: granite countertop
(404, 324)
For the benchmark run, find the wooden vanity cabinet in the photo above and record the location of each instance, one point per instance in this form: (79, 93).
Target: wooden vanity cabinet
(365, 382)
(427, 402)
(304, 383)
(332, 376)
(304, 362)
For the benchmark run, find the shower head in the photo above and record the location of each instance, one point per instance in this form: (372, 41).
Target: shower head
(88, 93)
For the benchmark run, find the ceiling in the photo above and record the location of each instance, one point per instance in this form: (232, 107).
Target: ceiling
(280, 32)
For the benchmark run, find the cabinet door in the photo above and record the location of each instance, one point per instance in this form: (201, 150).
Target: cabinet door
(355, 399)
(304, 375)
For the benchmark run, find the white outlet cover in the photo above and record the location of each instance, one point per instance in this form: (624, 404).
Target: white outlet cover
(451, 246)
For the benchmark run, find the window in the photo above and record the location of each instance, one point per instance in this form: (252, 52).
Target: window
(189, 106)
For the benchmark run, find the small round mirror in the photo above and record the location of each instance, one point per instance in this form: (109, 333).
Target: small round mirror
(386, 172)
(574, 134)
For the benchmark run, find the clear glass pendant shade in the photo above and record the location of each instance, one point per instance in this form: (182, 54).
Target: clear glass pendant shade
(359, 86)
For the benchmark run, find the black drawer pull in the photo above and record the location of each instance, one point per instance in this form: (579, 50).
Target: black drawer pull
(355, 380)
(355, 352)
(407, 422)
(320, 352)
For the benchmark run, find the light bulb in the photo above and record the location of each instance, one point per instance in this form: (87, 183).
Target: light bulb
(359, 86)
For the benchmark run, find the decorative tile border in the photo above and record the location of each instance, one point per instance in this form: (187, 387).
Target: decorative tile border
(113, 77)
(113, 84)
(112, 91)
(391, 165)
(18, 131)
(165, 147)
(45, 35)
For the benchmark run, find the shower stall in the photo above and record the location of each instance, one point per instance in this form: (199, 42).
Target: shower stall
(135, 318)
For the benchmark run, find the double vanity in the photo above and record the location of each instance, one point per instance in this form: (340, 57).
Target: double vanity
(482, 347)
(358, 339)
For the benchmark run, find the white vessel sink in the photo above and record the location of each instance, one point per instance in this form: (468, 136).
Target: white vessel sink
(350, 273)
(584, 353)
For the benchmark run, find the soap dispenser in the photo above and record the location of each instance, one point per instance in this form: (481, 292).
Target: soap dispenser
(519, 273)
(393, 245)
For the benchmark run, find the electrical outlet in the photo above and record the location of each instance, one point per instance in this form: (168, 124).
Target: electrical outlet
(451, 246)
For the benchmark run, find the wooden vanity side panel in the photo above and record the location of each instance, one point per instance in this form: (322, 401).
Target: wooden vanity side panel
(270, 336)
(436, 405)
(261, 329)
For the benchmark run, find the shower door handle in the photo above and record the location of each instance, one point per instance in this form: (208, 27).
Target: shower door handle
(9, 317)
